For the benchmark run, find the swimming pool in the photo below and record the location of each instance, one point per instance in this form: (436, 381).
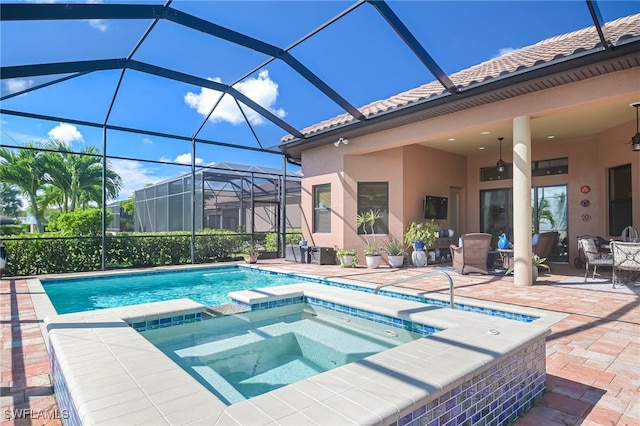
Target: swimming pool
(208, 286)
(242, 356)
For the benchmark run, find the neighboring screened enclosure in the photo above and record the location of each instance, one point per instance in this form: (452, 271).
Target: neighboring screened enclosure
(228, 196)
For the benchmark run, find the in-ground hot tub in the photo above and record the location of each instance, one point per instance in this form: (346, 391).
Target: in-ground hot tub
(242, 356)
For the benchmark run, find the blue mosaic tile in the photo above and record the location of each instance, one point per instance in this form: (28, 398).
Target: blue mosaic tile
(405, 420)
(495, 396)
(166, 322)
(66, 408)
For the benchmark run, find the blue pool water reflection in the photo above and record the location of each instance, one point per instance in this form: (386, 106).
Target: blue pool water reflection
(208, 286)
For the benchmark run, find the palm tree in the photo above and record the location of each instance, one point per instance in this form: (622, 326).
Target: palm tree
(25, 171)
(64, 179)
(78, 176)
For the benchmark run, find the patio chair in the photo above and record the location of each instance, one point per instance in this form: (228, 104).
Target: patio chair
(626, 261)
(594, 257)
(630, 234)
(472, 255)
(544, 244)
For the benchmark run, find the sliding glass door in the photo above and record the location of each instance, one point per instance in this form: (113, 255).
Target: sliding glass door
(496, 213)
(549, 213)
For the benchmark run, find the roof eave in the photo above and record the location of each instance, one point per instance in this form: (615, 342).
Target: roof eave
(498, 87)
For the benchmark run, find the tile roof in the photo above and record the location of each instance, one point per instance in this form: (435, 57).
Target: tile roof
(545, 51)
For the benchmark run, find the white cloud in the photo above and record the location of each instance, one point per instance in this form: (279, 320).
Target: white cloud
(99, 24)
(66, 132)
(503, 51)
(147, 141)
(135, 175)
(261, 90)
(14, 85)
(186, 159)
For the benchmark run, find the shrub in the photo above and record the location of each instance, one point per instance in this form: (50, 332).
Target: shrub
(271, 239)
(54, 253)
(82, 222)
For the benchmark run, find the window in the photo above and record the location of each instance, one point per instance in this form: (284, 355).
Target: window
(555, 166)
(322, 208)
(492, 173)
(374, 196)
(620, 200)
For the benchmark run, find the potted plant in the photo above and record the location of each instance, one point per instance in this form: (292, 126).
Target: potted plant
(348, 258)
(251, 253)
(395, 252)
(367, 220)
(421, 235)
(536, 262)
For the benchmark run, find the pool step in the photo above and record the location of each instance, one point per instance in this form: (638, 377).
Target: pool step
(222, 310)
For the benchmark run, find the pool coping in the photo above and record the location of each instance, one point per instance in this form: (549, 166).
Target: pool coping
(44, 308)
(120, 375)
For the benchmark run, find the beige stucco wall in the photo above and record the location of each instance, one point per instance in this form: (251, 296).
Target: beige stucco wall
(430, 172)
(412, 172)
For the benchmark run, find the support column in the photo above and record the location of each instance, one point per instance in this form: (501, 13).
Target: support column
(522, 201)
(103, 256)
(282, 240)
(193, 201)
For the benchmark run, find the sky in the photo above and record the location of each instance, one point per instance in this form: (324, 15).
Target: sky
(359, 56)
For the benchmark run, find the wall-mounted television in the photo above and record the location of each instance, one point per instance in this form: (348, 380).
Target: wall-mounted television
(435, 207)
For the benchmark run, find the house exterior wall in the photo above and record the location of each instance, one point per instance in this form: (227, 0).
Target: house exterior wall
(429, 171)
(414, 170)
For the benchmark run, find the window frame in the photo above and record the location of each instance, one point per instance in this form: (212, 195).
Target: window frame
(381, 226)
(619, 208)
(320, 211)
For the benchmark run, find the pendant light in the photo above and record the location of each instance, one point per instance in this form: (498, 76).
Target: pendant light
(500, 164)
(635, 141)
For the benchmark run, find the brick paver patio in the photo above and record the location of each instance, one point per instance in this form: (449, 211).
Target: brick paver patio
(592, 355)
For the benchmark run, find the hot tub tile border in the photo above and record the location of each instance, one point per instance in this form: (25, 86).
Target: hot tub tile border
(422, 329)
(168, 321)
(498, 395)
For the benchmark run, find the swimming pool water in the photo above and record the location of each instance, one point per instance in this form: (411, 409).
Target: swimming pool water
(208, 286)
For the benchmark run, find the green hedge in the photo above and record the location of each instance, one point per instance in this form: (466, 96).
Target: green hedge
(44, 254)
(271, 239)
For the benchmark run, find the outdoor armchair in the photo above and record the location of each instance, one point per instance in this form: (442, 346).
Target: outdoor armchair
(593, 255)
(626, 261)
(472, 256)
(545, 243)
